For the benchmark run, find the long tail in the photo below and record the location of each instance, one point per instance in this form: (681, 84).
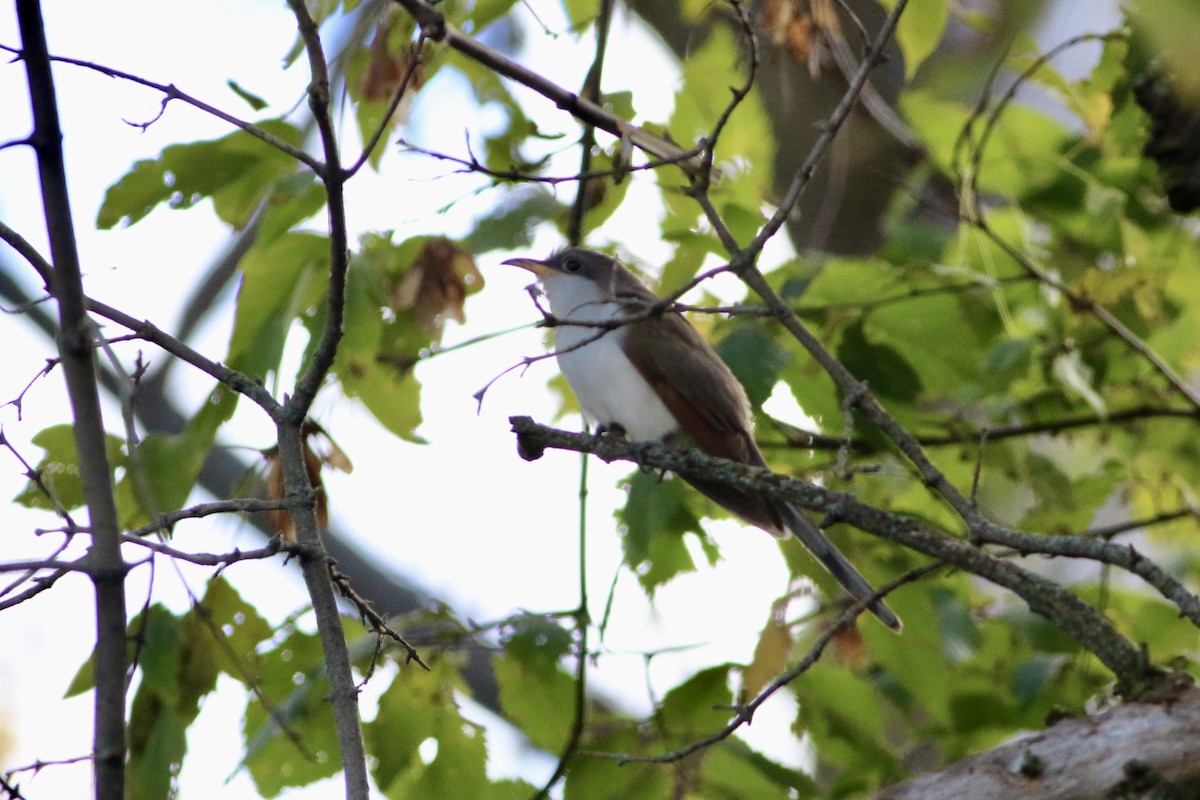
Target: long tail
(832, 559)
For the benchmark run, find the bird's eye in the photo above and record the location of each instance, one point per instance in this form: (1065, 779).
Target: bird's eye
(572, 264)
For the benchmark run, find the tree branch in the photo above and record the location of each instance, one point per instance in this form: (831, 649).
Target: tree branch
(1138, 749)
(1085, 624)
(75, 347)
(343, 693)
(434, 27)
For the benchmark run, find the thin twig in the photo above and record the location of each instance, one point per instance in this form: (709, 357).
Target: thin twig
(583, 622)
(744, 714)
(435, 27)
(397, 98)
(586, 190)
(473, 164)
(171, 92)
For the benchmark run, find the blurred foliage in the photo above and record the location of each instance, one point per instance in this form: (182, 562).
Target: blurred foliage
(957, 326)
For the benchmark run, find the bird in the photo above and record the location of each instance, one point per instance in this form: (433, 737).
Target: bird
(656, 379)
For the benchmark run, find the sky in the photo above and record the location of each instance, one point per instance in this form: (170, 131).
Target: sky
(463, 516)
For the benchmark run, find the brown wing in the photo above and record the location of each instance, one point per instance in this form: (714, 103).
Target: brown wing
(696, 386)
(711, 408)
(709, 404)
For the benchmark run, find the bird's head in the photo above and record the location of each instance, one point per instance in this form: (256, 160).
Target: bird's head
(575, 276)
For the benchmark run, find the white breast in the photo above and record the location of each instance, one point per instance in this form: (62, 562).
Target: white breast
(608, 386)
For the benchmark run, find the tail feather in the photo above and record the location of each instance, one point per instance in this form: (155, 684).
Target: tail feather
(813, 538)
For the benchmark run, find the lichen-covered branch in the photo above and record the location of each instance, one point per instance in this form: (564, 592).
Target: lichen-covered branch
(1085, 624)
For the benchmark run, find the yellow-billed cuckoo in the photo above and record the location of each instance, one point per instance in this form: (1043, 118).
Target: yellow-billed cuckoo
(657, 379)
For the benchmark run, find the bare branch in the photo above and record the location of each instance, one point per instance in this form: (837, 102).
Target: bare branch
(78, 565)
(166, 521)
(209, 559)
(237, 381)
(1142, 749)
(334, 179)
(473, 164)
(75, 347)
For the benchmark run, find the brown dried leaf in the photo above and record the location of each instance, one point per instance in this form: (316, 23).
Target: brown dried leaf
(436, 285)
(804, 27)
(850, 648)
(389, 63)
(333, 456)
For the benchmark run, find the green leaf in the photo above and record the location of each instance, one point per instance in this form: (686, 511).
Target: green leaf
(698, 706)
(537, 641)
(605, 779)
(538, 701)
(655, 518)
(280, 280)
(606, 194)
(580, 12)
(846, 724)
(156, 729)
(510, 225)
(734, 770)
(418, 716)
(1033, 676)
(155, 760)
(253, 100)
(919, 31)
(692, 248)
(755, 359)
(290, 735)
(59, 469)
(294, 199)
(240, 625)
(885, 370)
(235, 172)
(745, 151)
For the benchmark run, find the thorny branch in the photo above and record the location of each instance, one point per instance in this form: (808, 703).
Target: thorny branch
(372, 618)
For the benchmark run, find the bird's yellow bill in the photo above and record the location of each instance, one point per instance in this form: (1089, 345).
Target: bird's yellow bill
(539, 268)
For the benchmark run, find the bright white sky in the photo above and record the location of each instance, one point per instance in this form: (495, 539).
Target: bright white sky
(463, 516)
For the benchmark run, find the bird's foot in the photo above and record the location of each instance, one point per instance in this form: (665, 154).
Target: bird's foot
(611, 430)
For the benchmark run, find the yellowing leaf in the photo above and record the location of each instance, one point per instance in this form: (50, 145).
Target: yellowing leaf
(770, 654)
(919, 31)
